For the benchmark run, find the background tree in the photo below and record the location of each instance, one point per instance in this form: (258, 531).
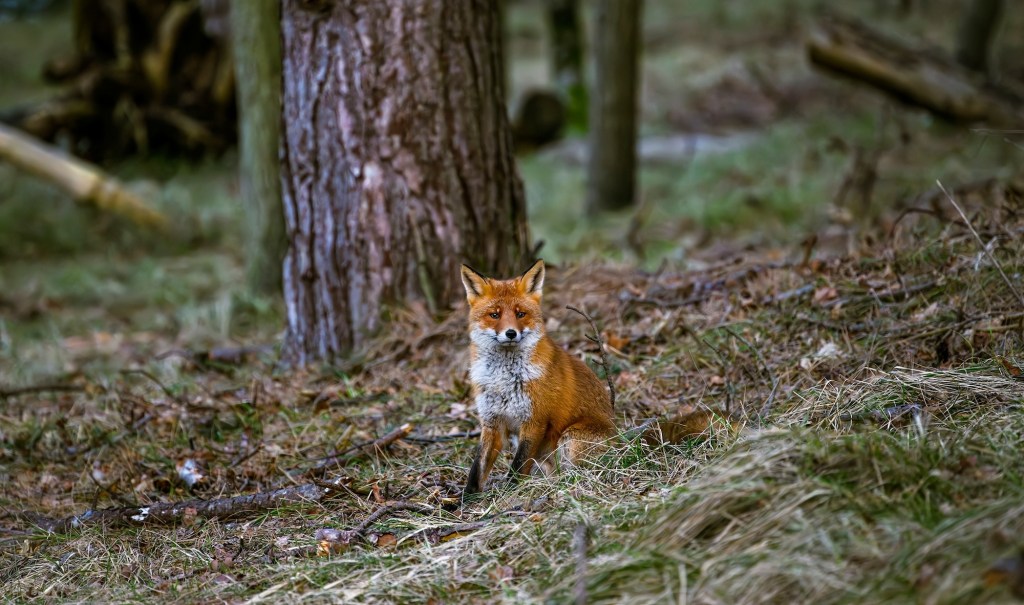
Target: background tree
(256, 35)
(611, 171)
(144, 75)
(397, 163)
(977, 28)
(567, 59)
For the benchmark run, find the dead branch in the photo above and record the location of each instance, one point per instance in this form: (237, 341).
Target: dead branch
(164, 513)
(600, 347)
(83, 182)
(329, 539)
(375, 448)
(922, 77)
(885, 296)
(77, 450)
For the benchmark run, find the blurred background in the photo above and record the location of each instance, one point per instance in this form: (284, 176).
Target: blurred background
(742, 142)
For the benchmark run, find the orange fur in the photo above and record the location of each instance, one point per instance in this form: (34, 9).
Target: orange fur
(528, 389)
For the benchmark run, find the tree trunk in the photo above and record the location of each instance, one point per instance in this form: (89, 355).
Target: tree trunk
(974, 39)
(611, 178)
(397, 163)
(256, 29)
(567, 59)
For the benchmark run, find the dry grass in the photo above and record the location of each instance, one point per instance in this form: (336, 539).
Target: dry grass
(887, 468)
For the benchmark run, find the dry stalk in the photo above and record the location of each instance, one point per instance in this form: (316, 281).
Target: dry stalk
(984, 248)
(600, 347)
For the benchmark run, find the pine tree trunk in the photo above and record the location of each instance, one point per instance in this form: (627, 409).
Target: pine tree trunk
(980, 21)
(567, 59)
(256, 29)
(397, 163)
(611, 174)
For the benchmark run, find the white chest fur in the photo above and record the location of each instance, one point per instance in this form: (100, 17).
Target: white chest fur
(500, 375)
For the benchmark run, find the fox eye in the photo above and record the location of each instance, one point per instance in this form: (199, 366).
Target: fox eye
(520, 314)
(495, 315)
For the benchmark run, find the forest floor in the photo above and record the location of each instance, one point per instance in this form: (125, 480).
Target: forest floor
(811, 282)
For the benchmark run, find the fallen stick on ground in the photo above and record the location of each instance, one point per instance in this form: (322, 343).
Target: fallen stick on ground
(375, 447)
(163, 513)
(84, 182)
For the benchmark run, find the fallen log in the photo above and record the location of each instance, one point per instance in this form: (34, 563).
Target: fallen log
(82, 181)
(923, 77)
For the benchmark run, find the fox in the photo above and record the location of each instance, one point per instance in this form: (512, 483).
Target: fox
(531, 395)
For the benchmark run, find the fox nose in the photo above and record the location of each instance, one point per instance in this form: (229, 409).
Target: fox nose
(510, 334)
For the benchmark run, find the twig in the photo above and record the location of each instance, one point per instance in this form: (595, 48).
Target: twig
(775, 382)
(329, 538)
(387, 510)
(984, 248)
(885, 296)
(377, 446)
(600, 346)
(580, 540)
(443, 438)
(167, 391)
(76, 450)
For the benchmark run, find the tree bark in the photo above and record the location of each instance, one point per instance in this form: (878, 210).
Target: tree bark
(397, 163)
(977, 28)
(567, 59)
(611, 178)
(256, 29)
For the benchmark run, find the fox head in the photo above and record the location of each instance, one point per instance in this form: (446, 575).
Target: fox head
(505, 313)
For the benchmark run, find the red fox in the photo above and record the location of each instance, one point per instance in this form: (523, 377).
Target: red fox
(530, 393)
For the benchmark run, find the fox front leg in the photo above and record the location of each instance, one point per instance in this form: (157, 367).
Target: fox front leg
(483, 461)
(530, 440)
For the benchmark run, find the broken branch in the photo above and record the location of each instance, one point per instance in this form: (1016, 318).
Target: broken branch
(83, 182)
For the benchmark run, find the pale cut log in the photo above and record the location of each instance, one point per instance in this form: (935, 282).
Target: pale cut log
(82, 181)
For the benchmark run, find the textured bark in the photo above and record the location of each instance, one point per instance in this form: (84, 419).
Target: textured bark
(567, 59)
(611, 174)
(980, 22)
(256, 25)
(397, 163)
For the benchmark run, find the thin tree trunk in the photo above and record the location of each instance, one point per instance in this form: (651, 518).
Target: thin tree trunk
(611, 179)
(256, 29)
(977, 28)
(397, 163)
(567, 59)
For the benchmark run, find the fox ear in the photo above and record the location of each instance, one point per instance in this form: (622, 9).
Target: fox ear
(473, 282)
(533, 279)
